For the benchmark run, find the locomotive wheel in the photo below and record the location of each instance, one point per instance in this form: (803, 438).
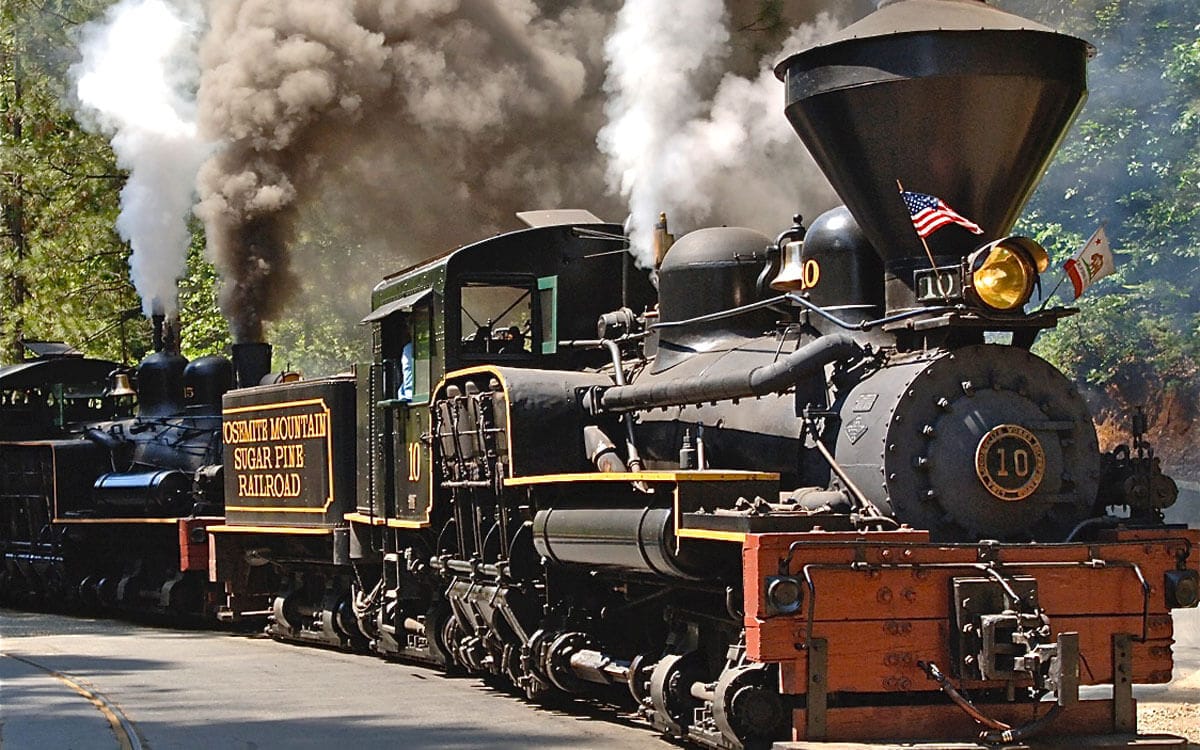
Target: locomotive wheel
(347, 623)
(670, 691)
(557, 662)
(746, 708)
(537, 687)
(89, 591)
(182, 595)
(436, 620)
(451, 634)
(639, 678)
(285, 619)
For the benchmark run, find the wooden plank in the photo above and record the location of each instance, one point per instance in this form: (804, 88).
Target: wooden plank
(641, 476)
(1159, 547)
(948, 722)
(907, 593)
(883, 656)
(1152, 660)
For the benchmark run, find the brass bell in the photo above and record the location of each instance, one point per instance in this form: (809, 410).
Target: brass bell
(119, 385)
(791, 270)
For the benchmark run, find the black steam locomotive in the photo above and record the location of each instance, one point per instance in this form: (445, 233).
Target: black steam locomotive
(101, 506)
(811, 488)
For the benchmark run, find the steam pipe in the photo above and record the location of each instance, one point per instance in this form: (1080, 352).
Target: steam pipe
(635, 458)
(251, 362)
(721, 315)
(777, 376)
(866, 325)
(158, 319)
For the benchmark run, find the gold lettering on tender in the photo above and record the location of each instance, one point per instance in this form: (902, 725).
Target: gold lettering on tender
(269, 470)
(245, 431)
(269, 485)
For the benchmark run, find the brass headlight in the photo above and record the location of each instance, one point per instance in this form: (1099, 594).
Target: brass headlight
(1003, 273)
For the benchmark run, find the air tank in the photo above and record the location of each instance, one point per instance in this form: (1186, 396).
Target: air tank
(951, 98)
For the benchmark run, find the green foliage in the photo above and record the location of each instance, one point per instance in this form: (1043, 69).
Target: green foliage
(204, 329)
(1132, 163)
(62, 267)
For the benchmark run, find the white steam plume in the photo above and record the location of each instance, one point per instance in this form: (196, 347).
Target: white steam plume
(731, 157)
(742, 159)
(135, 83)
(657, 55)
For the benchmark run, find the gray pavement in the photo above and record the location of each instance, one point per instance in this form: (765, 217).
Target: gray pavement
(219, 690)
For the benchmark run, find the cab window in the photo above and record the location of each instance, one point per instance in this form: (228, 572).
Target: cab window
(406, 351)
(500, 319)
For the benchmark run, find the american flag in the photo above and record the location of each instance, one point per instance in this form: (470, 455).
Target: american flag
(930, 214)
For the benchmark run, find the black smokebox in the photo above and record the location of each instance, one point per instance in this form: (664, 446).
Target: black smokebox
(251, 362)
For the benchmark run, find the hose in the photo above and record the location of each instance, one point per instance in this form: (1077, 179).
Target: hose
(1001, 733)
(1024, 732)
(951, 692)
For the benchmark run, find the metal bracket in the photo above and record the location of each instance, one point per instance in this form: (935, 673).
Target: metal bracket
(818, 689)
(1065, 670)
(1124, 710)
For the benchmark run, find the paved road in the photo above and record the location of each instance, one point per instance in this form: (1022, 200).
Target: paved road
(79, 683)
(217, 690)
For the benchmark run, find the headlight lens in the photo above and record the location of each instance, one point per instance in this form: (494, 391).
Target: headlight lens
(1004, 279)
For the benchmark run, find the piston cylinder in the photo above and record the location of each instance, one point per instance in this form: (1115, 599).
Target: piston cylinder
(152, 492)
(640, 540)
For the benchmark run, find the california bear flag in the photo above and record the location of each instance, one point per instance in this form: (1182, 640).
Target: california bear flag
(1091, 263)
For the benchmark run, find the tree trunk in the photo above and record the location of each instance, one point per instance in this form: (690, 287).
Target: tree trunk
(15, 292)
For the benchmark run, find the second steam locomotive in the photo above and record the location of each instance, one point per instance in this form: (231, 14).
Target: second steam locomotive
(811, 488)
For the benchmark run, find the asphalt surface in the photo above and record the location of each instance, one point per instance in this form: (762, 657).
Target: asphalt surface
(97, 685)
(84, 684)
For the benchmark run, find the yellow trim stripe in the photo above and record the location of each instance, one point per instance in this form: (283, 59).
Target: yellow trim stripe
(266, 509)
(712, 534)
(644, 476)
(160, 521)
(399, 523)
(228, 529)
(364, 518)
(276, 405)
